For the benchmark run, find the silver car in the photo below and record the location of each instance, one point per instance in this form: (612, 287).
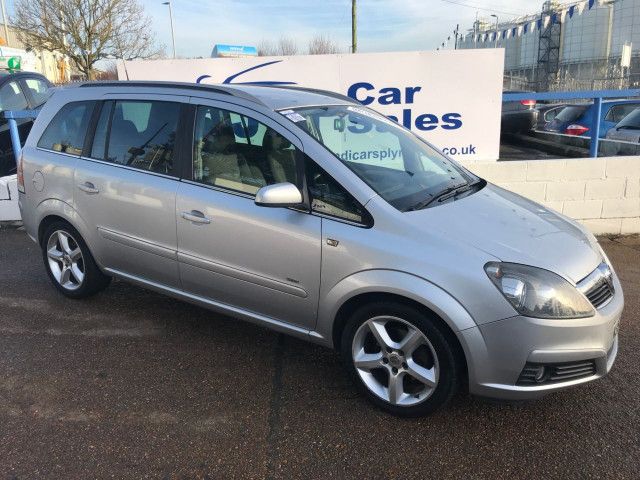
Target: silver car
(305, 212)
(628, 129)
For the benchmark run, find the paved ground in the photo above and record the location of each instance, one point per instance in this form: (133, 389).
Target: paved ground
(131, 384)
(511, 150)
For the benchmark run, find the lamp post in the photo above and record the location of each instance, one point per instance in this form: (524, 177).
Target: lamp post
(4, 24)
(496, 16)
(173, 35)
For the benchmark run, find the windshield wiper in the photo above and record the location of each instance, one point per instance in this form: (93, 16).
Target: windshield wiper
(628, 127)
(445, 194)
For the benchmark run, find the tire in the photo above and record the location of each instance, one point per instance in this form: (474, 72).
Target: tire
(64, 250)
(421, 379)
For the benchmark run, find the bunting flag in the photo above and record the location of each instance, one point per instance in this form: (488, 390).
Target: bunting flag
(581, 6)
(555, 17)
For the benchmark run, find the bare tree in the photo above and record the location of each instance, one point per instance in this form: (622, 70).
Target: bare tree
(87, 31)
(287, 46)
(267, 49)
(321, 44)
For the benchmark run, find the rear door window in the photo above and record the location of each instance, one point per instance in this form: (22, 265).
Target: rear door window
(138, 134)
(67, 130)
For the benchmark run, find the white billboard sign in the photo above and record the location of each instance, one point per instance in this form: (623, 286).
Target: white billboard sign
(451, 98)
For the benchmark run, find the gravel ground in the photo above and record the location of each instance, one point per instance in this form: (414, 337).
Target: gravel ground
(131, 384)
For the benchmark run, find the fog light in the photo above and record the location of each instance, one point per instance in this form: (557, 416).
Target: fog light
(539, 374)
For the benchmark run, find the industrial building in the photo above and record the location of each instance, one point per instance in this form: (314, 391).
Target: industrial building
(589, 44)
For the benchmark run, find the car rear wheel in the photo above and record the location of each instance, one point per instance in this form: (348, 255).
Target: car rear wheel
(400, 359)
(69, 262)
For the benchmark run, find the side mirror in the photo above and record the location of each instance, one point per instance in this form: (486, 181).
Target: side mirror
(279, 195)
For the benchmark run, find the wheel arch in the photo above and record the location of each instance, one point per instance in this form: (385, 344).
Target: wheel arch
(52, 210)
(393, 286)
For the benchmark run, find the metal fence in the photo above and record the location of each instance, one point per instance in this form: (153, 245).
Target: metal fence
(593, 74)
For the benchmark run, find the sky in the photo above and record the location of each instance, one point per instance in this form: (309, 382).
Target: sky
(383, 25)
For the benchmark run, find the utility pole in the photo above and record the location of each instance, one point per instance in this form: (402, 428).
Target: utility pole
(354, 40)
(4, 23)
(496, 37)
(173, 35)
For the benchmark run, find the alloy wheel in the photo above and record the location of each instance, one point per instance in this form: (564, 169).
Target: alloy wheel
(395, 361)
(65, 260)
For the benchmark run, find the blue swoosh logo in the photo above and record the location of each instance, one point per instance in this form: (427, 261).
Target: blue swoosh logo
(230, 80)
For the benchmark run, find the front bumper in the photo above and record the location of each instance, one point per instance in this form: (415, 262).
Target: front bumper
(497, 352)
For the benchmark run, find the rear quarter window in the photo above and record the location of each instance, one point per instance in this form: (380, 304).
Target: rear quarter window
(67, 130)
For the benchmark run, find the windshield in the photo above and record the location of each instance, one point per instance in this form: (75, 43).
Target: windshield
(394, 162)
(631, 121)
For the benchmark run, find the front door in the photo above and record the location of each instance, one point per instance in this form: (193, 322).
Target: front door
(258, 259)
(126, 187)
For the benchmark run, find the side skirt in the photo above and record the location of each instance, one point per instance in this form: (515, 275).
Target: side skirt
(224, 309)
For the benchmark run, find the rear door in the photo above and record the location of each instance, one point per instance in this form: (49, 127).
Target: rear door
(231, 251)
(126, 185)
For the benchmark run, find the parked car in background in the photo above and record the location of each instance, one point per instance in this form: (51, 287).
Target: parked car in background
(518, 116)
(547, 112)
(280, 206)
(577, 119)
(18, 91)
(628, 130)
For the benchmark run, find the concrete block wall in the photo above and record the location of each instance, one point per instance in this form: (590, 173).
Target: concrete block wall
(602, 193)
(9, 210)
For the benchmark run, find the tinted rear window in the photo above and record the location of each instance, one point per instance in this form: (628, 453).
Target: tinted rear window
(137, 133)
(68, 128)
(569, 114)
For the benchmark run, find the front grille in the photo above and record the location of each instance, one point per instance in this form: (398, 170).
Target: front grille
(600, 293)
(545, 373)
(598, 286)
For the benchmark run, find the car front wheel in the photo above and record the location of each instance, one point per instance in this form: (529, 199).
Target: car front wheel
(400, 359)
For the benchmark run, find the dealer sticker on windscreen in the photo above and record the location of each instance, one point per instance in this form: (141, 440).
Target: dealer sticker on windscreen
(292, 115)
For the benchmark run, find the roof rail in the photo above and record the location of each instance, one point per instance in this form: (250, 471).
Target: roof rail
(221, 89)
(326, 93)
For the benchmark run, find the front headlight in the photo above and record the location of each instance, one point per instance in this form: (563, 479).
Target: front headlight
(538, 293)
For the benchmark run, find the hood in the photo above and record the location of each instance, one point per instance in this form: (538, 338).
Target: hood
(626, 135)
(514, 229)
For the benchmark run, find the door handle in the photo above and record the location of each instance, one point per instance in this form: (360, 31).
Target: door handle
(196, 216)
(88, 187)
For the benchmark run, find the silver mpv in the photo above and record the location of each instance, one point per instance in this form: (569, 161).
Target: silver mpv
(306, 212)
